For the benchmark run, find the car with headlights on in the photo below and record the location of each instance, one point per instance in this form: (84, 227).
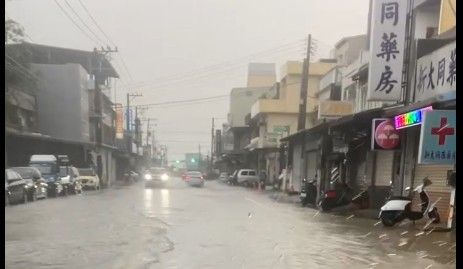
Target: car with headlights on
(16, 188)
(155, 177)
(37, 186)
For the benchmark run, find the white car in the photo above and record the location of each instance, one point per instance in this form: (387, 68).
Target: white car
(89, 179)
(247, 177)
(194, 178)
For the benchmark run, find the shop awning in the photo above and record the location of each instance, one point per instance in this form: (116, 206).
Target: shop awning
(441, 100)
(315, 129)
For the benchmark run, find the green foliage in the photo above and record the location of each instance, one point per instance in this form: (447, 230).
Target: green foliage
(17, 57)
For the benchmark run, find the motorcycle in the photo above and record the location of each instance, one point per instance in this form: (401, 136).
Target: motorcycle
(334, 198)
(398, 208)
(308, 194)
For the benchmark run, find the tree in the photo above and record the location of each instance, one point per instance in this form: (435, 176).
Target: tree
(17, 58)
(14, 32)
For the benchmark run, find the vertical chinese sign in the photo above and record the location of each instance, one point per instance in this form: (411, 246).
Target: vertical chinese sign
(119, 122)
(387, 42)
(438, 138)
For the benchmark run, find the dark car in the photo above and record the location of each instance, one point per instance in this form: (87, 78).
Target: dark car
(51, 176)
(37, 187)
(16, 188)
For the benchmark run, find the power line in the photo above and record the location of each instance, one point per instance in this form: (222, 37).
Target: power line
(184, 101)
(95, 22)
(224, 63)
(107, 37)
(23, 68)
(74, 22)
(15, 68)
(83, 22)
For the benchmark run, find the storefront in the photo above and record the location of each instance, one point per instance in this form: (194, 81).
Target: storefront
(429, 152)
(428, 128)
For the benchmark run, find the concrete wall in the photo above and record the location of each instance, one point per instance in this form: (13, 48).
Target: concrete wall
(447, 18)
(261, 74)
(63, 98)
(241, 101)
(348, 49)
(424, 18)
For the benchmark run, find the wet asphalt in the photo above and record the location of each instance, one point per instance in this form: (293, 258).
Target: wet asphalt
(217, 226)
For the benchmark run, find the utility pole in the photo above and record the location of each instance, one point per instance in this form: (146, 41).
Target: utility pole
(212, 142)
(147, 131)
(129, 146)
(99, 107)
(304, 86)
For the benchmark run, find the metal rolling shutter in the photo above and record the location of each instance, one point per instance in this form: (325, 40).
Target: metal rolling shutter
(311, 164)
(383, 167)
(438, 189)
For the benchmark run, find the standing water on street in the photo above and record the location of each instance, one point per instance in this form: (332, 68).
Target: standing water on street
(230, 134)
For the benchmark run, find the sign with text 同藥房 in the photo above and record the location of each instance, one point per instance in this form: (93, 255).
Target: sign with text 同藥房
(384, 135)
(411, 118)
(438, 138)
(436, 73)
(119, 122)
(387, 40)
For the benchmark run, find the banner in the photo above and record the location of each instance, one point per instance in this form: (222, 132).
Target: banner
(387, 43)
(384, 135)
(119, 122)
(436, 73)
(438, 138)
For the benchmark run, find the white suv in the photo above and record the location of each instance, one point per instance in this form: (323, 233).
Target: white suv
(247, 176)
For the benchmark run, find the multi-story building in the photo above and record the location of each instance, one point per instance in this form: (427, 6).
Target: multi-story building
(72, 111)
(276, 117)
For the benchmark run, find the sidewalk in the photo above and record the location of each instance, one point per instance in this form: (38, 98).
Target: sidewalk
(343, 210)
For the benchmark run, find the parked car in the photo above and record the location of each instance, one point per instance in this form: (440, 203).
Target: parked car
(37, 187)
(16, 188)
(131, 176)
(48, 165)
(223, 176)
(156, 176)
(247, 177)
(89, 179)
(194, 178)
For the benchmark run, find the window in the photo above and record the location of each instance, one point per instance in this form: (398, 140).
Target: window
(252, 173)
(244, 173)
(431, 32)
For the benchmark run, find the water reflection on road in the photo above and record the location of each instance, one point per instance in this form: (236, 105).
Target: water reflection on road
(212, 227)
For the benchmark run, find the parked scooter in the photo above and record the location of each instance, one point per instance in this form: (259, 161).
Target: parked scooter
(334, 198)
(398, 208)
(308, 193)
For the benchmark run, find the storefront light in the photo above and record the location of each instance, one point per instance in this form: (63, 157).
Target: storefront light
(410, 118)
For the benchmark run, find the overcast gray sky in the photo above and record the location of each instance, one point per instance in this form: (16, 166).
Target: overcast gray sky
(184, 49)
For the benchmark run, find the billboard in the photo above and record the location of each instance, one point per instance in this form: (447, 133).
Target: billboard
(436, 73)
(438, 138)
(387, 43)
(119, 121)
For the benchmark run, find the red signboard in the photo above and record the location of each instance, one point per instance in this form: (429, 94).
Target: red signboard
(384, 136)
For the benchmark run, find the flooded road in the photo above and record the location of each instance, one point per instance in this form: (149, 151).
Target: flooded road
(212, 227)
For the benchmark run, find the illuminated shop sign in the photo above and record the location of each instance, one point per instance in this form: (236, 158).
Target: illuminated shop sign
(411, 118)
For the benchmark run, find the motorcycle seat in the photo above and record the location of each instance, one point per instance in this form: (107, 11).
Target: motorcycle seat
(400, 198)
